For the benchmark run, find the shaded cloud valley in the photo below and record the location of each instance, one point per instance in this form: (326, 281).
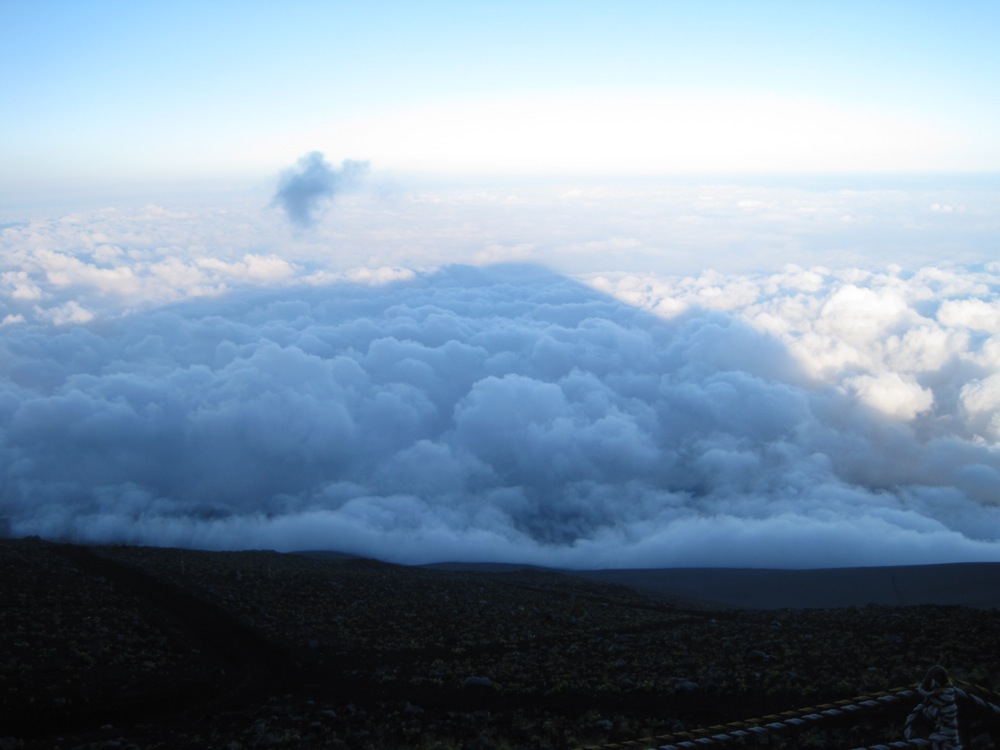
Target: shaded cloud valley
(502, 413)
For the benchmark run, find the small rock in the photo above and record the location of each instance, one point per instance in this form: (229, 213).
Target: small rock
(476, 681)
(982, 742)
(686, 687)
(604, 724)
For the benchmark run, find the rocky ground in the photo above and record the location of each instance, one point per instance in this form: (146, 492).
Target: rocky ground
(129, 647)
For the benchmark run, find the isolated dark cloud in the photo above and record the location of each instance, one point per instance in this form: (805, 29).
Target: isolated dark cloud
(303, 189)
(504, 413)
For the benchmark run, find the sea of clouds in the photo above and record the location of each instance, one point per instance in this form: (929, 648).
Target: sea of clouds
(553, 377)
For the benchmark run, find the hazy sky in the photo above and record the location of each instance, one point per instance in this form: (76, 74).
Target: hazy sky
(588, 284)
(108, 92)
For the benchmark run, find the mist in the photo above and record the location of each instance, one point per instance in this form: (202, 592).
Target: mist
(509, 412)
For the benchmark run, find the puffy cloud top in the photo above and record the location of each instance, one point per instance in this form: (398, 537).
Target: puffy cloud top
(805, 418)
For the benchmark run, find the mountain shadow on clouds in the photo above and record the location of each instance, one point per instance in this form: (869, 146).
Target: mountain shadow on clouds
(504, 413)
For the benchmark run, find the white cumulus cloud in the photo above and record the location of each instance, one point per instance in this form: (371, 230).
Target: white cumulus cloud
(505, 413)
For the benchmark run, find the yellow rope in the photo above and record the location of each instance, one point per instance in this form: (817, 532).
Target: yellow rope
(770, 722)
(796, 718)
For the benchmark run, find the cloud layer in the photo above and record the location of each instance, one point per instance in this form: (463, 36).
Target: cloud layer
(804, 418)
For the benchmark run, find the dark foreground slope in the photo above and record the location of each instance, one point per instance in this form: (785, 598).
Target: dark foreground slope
(124, 647)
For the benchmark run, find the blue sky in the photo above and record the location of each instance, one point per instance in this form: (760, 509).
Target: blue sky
(141, 93)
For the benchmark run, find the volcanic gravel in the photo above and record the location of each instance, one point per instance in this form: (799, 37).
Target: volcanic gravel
(135, 648)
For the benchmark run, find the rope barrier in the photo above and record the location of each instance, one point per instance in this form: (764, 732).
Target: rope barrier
(938, 739)
(976, 699)
(936, 713)
(794, 719)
